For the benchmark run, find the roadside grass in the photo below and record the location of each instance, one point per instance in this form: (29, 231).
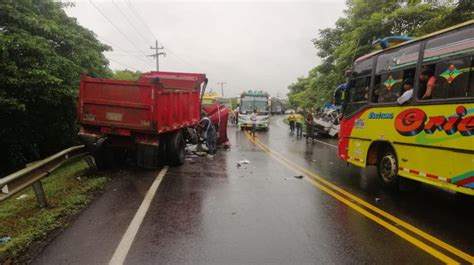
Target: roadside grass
(68, 190)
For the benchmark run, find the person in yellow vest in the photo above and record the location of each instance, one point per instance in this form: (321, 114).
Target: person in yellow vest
(291, 121)
(299, 118)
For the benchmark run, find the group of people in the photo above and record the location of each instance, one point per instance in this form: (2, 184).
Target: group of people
(297, 120)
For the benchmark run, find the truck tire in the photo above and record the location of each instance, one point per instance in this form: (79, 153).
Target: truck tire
(103, 154)
(387, 169)
(176, 149)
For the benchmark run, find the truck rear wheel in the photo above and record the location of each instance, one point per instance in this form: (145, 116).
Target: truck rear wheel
(387, 169)
(175, 148)
(103, 154)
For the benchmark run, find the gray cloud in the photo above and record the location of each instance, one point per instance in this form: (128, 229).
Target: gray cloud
(250, 45)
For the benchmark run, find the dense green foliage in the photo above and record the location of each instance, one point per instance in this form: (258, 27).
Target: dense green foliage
(126, 75)
(42, 55)
(364, 22)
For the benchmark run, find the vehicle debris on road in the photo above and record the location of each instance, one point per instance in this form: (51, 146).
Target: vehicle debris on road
(243, 162)
(294, 177)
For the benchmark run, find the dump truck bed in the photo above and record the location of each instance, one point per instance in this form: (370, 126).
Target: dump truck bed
(159, 102)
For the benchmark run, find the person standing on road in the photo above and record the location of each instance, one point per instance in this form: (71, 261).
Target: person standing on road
(309, 126)
(253, 118)
(299, 124)
(209, 133)
(291, 121)
(236, 112)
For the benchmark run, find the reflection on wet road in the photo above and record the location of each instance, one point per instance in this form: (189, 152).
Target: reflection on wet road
(212, 211)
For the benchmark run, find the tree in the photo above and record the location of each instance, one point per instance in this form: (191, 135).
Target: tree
(43, 53)
(126, 75)
(366, 21)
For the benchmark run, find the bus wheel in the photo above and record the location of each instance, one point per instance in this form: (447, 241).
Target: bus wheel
(176, 149)
(387, 169)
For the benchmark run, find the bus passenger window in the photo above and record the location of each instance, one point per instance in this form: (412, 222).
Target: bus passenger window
(427, 83)
(360, 89)
(388, 87)
(470, 86)
(452, 79)
(450, 59)
(376, 90)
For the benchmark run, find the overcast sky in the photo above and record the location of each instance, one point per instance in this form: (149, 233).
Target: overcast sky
(261, 45)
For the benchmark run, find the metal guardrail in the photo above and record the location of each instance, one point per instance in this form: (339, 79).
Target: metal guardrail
(32, 175)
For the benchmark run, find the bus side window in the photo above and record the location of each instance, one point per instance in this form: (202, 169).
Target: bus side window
(360, 89)
(452, 78)
(376, 90)
(470, 86)
(358, 94)
(449, 56)
(389, 86)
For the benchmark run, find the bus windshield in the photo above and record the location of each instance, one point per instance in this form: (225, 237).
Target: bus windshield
(250, 103)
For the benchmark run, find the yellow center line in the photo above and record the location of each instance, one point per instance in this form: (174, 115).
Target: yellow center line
(394, 219)
(312, 178)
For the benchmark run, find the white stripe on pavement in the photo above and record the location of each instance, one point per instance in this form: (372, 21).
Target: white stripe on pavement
(127, 239)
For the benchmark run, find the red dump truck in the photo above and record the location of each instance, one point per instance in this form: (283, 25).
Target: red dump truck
(152, 118)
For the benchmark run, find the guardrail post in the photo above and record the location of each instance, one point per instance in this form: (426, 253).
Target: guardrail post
(39, 192)
(90, 162)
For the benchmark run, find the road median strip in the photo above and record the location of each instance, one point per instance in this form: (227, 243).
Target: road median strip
(366, 208)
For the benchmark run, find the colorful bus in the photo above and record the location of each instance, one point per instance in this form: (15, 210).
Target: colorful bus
(209, 98)
(254, 100)
(428, 139)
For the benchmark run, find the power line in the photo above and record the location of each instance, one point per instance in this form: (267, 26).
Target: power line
(117, 28)
(139, 17)
(185, 61)
(129, 22)
(126, 66)
(120, 48)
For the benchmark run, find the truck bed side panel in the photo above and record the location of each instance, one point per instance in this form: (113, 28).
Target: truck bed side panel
(118, 104)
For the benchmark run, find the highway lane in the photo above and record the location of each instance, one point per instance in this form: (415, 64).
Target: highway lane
(210, 211)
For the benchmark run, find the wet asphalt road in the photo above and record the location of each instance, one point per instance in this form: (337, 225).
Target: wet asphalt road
(210, 211)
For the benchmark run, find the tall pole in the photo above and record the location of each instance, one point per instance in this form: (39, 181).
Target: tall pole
(157, 54)
(222, 87)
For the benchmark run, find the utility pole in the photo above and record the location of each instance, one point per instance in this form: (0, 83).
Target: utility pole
(222, 87)
(157, 54)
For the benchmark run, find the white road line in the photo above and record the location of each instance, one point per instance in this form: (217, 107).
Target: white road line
(281, 124)
(332, 145)
(127, 239)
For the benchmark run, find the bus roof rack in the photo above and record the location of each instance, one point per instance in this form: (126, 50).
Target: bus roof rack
(390, 41)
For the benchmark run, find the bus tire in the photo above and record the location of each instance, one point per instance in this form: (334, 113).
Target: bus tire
(176, 149)
(387, 169)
